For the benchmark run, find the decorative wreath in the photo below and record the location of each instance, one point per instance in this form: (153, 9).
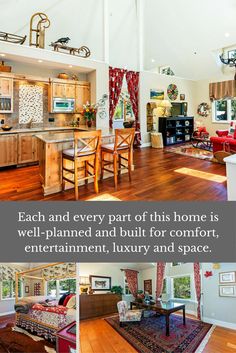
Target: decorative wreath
(172, 92)
(203, 109)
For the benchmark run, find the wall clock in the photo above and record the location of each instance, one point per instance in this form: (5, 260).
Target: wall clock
(172, 92)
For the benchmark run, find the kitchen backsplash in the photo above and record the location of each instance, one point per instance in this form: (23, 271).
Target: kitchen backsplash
(59, 119)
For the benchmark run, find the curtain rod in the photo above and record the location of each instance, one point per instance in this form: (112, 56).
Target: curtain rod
(128, 269)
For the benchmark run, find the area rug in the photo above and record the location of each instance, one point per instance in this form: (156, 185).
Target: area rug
(17, 342)
(190, 151)
(148, 336)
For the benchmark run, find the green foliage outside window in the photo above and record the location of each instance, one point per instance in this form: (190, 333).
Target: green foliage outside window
(67, 285)
(182, 287)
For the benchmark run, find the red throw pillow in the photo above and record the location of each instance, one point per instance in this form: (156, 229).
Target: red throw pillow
(222, 133)
(67, 299)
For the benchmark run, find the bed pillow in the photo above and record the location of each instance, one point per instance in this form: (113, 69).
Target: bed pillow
(63, 297)
(67, 299)
(71, 304)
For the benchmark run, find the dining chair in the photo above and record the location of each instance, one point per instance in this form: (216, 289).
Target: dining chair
(84, 157)
(124, 139)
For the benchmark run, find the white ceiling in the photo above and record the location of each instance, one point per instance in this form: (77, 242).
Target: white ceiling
(174, 30)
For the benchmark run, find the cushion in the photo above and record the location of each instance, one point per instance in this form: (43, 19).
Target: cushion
(63, 297)
(71, 152)
(110, 146)
(222, 133)
(71, 304)
(67, 299)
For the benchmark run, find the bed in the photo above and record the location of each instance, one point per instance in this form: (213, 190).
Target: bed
(41, 314)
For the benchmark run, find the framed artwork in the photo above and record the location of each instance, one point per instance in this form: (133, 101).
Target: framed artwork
(172, 92)
(148, 286)
(227, 277)
(182, 97)
(157, 94)
(101, 283)
(227, 291)
(27, 289)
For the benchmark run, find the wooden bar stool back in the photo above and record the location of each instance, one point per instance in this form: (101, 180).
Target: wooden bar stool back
(124, 139)
(84, 157)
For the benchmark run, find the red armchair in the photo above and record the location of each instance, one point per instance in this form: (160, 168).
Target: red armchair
(224, 141)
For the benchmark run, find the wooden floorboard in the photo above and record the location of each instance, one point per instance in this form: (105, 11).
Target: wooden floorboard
(97, 336)
(155, 178)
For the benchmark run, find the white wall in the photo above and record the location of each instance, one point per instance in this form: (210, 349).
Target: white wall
(216, 309)
(149, 80)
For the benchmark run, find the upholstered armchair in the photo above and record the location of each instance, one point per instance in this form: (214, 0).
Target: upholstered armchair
(126, 315)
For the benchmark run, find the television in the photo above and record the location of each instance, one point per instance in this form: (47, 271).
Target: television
(179, 109)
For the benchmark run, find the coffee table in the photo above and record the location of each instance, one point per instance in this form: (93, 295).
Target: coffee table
(203, 143)
(163, 308)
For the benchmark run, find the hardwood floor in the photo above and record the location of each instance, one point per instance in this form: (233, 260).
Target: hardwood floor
(97, 336)
(154, 179)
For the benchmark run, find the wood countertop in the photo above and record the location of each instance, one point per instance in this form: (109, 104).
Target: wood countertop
(36, 129)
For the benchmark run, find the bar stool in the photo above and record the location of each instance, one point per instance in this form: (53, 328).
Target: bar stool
(124, 139)
(86, 150)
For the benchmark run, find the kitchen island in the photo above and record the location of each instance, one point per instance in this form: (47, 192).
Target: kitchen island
(50, 147)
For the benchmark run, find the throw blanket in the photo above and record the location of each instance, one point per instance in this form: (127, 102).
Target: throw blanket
(59, 309)
(24, 305)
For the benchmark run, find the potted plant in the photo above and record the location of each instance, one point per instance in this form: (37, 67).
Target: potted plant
(117, 290)
(89, 113)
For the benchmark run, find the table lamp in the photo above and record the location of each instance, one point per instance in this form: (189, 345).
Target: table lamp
(166, 105)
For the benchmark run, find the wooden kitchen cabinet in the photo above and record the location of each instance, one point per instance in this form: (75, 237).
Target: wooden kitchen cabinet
(63, 90)
(8, 150)
(6, 87)
(82, 94)
(27, 148)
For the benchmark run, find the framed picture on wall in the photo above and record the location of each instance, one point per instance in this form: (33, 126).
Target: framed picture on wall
(227, 291)
(157, 94)
(147, 286)
(227, 277)
(182, 97)
(101, 283)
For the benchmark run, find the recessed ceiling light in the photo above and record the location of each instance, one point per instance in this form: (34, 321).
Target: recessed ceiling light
(40, 61)
(227, 34)
(2, 55)
(153, 60)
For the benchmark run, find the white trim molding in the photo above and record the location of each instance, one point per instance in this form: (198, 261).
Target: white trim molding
(7, 313)
(225, 324)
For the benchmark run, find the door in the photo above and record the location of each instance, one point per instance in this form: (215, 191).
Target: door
(27, 148)
(8, 150)
(6, 87)
(58, 90)
(82, 96)
(70, 91)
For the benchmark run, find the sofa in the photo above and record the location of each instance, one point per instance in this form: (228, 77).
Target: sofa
(224, 141)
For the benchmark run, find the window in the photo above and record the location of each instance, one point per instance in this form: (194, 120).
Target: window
(124, 109)
(224, 110)
(8, 289)
(67, 285)
(52, 288)
(164, 286)
(127, 291)
(177, 263)
(56, 288)
(182, 287)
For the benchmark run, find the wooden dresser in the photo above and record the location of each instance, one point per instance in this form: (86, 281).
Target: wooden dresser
(96, 305)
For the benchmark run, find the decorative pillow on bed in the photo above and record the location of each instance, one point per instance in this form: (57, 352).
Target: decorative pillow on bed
(72, 302)
(67, 299)
(63, 297)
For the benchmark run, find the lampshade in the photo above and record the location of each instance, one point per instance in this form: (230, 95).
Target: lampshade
(166, 104)
(84, 281)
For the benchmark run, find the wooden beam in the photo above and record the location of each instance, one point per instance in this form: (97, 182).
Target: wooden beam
(40, 268)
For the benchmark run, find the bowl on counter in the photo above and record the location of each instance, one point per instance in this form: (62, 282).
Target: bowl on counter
(6, 128)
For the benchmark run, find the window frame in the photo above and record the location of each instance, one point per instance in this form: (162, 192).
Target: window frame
(126, 286)
(229, 110)
(57, 286)
(12, 290)
(192, 298)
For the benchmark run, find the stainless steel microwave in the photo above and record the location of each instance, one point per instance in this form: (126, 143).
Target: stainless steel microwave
(63, 105)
